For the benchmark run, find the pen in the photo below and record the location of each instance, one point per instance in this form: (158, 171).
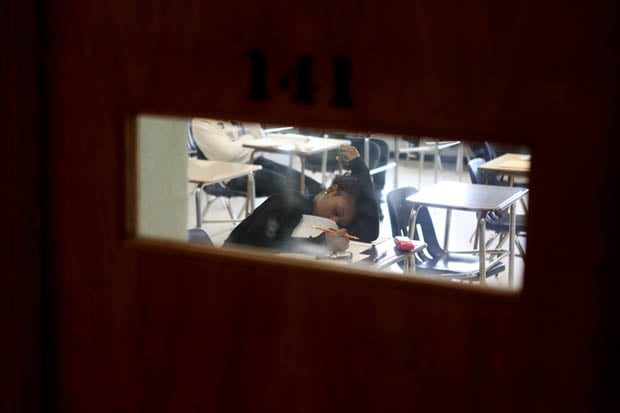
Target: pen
(333, 230)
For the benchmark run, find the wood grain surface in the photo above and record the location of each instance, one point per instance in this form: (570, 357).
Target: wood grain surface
(154, 326)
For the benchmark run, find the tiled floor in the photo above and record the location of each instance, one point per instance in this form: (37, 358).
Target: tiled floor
(462, 226)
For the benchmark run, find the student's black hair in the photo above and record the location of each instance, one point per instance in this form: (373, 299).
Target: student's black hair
(366, 208)
(347, 183)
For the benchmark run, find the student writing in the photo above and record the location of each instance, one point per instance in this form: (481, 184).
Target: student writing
(349, 201)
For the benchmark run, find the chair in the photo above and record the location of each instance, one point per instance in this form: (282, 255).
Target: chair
(499, 223)
(198, 236)
(488, 152)
(479, 177)
(434, 260)
(483, 150)
(426, 146)
(216, 191)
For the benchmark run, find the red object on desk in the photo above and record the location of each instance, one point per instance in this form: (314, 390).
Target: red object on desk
(403, 243)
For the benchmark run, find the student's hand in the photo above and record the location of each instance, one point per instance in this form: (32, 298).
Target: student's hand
(336, 241)
(348, 153)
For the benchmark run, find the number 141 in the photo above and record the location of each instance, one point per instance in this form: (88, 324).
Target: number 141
(299, 79)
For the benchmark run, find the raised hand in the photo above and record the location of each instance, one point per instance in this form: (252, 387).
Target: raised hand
(347, 153)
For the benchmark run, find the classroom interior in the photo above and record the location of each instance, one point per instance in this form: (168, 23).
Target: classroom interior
(160, 213)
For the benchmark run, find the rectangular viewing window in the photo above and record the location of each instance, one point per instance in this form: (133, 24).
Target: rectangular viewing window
(335, 198)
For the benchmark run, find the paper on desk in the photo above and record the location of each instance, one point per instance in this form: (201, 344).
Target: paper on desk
(305, 227)
(357, 248)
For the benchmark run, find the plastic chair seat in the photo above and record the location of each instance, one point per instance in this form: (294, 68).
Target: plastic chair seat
(198, 236)
(502, 223)
(457, 265)
(219, 190)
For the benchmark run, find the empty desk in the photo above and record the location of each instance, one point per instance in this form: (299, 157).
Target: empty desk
(472, 197)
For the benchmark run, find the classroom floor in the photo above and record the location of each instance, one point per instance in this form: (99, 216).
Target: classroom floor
(462, 226)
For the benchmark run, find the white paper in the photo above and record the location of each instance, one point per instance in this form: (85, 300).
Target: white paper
(356, 248)
(305, 227)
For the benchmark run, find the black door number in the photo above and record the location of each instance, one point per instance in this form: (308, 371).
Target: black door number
(298, 79)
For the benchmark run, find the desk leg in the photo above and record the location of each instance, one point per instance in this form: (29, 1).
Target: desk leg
(524, 204)
(436, 161)
(324, 168)
(459, 160)
(302, 178)
(446, 234)
(482, 248)
(421, 169)
(197, 194)
(396, 159)
(511, 240)
(250, 194)
(410, 260)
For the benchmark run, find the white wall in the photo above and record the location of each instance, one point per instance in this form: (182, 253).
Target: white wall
(162, 177)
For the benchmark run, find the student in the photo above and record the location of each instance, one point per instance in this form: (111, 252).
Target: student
(349, 201)
(378, 156)
(221, 140)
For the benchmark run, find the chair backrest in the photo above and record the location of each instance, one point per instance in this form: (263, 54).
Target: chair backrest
(399, 211)
(491, 153)
(191, 143)
(375, 152)
(479, 177)
(474, 173)
(198, 236)
(484, 150)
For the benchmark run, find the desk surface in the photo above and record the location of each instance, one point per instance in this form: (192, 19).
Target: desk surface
(383, 254)
(364, 255)
(295, 144)
(469, 197)
(430, 146)
(201, 171)
(508, 164)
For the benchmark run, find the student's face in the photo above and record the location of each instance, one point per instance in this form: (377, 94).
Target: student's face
(337, 206)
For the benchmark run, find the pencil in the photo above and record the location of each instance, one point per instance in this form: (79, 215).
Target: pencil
(333, 230)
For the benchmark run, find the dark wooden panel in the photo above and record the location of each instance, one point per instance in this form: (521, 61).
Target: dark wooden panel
(20, 223)
(156, 329)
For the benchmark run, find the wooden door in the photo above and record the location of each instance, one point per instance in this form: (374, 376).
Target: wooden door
(153, 326)
(21, 187)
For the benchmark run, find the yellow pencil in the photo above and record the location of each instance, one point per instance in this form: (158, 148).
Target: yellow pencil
(333, 230)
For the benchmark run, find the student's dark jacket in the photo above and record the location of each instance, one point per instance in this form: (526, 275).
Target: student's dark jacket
(366, 222)
(273, 222)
